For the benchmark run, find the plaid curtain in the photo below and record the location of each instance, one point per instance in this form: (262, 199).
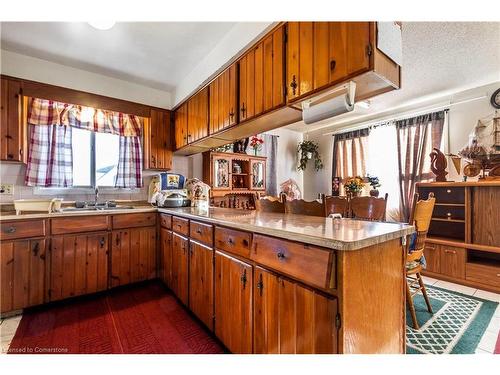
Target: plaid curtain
(416, 137)
(129, 174)
(50, 156)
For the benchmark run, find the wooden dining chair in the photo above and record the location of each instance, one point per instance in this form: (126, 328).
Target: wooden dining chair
(269, 203)
(302, 207)
(420, 218)
(336, 205)
(368, 208)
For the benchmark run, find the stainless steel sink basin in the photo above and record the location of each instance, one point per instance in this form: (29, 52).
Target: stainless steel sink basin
(92, 208)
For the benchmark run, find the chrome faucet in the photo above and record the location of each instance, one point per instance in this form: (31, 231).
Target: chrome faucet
(96, 196)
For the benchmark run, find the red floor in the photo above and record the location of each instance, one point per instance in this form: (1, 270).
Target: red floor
(139, 319)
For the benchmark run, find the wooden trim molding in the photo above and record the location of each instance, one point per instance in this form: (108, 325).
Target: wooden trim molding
(67, 95)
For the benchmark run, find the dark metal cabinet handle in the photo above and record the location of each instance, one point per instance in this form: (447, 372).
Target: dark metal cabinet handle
(198, 231)
(101, 242)
(230, 241)
(333, 64)
(243, 110)
(245, 242)
(260, 285)
(10, 230)
(231, 113)
(294, 84)
(281, 255)
(244, 278)
(36, 248)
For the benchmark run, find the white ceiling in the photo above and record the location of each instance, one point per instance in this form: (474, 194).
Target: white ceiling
(439, 59)
(154, 54)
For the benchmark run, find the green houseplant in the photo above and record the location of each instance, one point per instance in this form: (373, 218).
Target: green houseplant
(309, 150)
(374, 182)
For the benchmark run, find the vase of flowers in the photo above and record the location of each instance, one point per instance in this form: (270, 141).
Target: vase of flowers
(374, 182)
(353, 186)
(256, 144)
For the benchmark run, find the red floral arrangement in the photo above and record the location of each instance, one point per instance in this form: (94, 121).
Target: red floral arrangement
(256, 143)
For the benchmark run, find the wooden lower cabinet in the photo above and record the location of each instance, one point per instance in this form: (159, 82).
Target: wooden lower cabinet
(133, 255)
(432, 254)
(290, 318)
(78, 265)
(201, 282)
(233, 303)
(22, 273)
(180, 267)
(453, 261)
(166, 256)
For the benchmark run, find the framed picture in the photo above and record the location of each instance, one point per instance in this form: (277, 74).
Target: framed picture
(336, 186)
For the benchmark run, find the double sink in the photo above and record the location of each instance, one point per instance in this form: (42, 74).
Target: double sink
(99, 207)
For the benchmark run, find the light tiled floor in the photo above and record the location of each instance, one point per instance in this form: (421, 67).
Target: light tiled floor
(9, 326)
(489, 339)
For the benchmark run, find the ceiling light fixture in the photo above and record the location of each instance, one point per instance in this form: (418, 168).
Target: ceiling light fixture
(102, 24)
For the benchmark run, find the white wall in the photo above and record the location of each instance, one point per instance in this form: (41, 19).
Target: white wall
(22, 66)
(462, 118)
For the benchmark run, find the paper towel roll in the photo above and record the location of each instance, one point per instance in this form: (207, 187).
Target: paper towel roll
(327, 109)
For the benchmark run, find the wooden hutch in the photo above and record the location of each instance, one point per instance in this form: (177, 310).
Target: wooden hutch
(231, 173)
(463, 243)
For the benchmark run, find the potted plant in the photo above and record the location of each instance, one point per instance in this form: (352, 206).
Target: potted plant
(308, 150)
(353, 186)
(373, 181)
(256, 144)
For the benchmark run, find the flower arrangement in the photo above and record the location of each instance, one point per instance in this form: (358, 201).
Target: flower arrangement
(354, 185)
(256, 144)
(308, 150)
(374, 182)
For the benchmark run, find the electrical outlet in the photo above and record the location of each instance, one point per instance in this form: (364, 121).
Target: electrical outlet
(7, 189)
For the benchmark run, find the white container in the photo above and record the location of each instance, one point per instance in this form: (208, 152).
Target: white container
(37, 205)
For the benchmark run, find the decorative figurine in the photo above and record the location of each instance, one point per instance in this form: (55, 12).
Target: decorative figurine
(438, 164)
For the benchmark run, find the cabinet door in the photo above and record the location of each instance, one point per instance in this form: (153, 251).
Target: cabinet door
(232, 98)
(222, 99)
(166, 256)
(197, 126)
(97, 263)
(221, 169)
(181, 121)
(300, 59)
(258, 174)
(180, 270)
(233, 303)
(432, 257)
(157, 141)
(133, 255)
(266, 309)
(11, 127)
(216, 101)
(453, 261)
(201, 282)
(22, 274)
(273, 70)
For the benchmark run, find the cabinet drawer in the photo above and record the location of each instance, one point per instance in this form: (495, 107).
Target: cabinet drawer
(233, 241)
(309, 264)
(453, 261)
(166, 221)
(79, 224)
(134, 220)
(201, 232)
(449, 194)
(180, 225)
(22, 229)
(482, 273)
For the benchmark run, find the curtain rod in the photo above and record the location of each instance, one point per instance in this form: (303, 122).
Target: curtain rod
(403, 116)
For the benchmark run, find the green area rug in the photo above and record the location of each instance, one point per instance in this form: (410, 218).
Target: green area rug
(456, 327)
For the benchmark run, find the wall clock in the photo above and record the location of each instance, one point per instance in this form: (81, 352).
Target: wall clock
(495, 99)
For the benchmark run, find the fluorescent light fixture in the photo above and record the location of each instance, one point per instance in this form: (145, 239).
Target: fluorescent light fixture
(102, 24)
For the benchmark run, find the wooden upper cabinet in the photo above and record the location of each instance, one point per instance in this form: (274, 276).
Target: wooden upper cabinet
(12, 146)
(325, 53)
(181, 122)
(261, 76)
(197, 116)
(223, 100)
(22, 273)
(157, 141)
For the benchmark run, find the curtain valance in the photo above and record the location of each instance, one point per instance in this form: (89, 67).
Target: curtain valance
(48, 112)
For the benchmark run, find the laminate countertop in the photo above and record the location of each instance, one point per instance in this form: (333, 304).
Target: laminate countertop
(338, 234)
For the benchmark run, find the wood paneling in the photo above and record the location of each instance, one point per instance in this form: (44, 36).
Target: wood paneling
(233, 303)
(134, 220)
(133, 255)
(166, 256)
(22, 267)
(181, 130)
(223, 100)
(201, 282)
(233, 241)
(157, 141)
(180, 267)
(486, 216)
(11, 230)
(197, 117)
(79, 224)
(78, 265)
(310, 264)
(452, 261)
(12, 146)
